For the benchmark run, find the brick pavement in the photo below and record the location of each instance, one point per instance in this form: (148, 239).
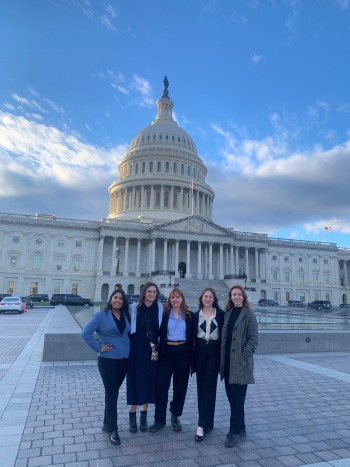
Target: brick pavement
(298, 414)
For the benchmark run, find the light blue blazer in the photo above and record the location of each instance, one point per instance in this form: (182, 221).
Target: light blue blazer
(104, 325)
(133, 315)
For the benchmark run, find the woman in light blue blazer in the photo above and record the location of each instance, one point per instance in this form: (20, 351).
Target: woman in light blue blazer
(112, 325)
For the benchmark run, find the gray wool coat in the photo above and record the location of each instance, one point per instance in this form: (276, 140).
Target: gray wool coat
(243, 344)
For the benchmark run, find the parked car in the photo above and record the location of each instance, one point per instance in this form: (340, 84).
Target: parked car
(344, 305)
(3, 295)
(320, 305)
(11, 304)
(70, 299)
(266, 302)
(276, 303)
(39, 297)
(296, 303)
(28, 301)
(132, 297)
(163, 298)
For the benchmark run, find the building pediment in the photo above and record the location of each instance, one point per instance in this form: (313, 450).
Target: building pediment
(195, 225)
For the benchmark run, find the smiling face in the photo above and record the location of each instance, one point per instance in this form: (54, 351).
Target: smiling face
(207, 299)
(175, 301)
(150, 295)
(237, 297)
(117, 302)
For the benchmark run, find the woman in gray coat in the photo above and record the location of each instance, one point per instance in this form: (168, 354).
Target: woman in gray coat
(238, 343)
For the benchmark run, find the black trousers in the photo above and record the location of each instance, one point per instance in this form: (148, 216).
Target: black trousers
(236, 394)
(113, 372)
(175, 363)
(207, 370)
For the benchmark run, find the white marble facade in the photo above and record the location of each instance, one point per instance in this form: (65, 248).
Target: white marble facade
(160, 224)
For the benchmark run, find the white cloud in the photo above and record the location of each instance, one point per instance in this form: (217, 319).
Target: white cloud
(107, 23)
(256, 59)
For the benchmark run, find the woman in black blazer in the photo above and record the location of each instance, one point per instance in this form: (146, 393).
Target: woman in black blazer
(175, 347)
(207, 324)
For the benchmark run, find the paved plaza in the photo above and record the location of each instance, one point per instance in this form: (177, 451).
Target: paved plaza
(298, 412)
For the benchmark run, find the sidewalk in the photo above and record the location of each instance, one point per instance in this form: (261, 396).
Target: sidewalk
(298, 412)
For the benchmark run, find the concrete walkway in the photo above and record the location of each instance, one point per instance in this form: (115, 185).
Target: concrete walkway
(298, 412)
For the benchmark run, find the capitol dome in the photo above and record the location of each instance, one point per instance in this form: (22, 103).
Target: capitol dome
(162, 178)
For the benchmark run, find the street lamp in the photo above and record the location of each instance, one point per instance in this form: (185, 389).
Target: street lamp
(169, 285)
(245, 280)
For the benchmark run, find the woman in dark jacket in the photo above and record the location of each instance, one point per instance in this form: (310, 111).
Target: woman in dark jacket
(146, 318)
(238, 342)
(175, 347)
(112, 327)
(207, 325)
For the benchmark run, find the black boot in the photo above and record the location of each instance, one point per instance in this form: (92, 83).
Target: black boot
(132, 422)
(143, 421)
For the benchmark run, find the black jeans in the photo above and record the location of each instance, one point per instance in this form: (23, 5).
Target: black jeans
(207, 370)
(113, 372)
(175, 363)
(236, 394)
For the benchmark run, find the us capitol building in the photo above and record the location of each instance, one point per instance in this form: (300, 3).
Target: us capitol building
(160, 228)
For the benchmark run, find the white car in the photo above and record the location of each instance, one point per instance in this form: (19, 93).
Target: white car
(11, 304)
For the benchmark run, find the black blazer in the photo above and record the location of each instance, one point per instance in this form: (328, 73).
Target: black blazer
(220, 315)
(163, 331)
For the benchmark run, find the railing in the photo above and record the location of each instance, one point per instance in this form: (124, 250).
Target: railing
(160, 272)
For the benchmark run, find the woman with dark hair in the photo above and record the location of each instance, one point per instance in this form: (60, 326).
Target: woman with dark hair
(207, 326)
(146, 318)
(238, 343)
(175, 348)
(112, 325)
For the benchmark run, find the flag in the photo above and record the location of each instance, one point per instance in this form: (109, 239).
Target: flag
(192, 185)
(328, 229)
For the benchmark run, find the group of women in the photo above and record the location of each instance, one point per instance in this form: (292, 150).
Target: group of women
(150, 344)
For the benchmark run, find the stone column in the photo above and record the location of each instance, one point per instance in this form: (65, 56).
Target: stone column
(100, 252)
(113, 257)
(199, 261)
(177, 258)
(126, 257)
(188, 260)
(153, 254)
(124, 200)
(232, 270)
(165, 254)
(210, 275)
(257, 275)
(237, 262)
(221, 274)
(138, 256)
(247, 262)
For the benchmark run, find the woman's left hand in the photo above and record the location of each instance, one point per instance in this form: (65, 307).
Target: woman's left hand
(106, 348)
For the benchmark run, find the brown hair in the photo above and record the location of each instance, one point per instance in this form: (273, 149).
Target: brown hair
(143, 294)
(230, 304)
(215, 302)
(183, 307)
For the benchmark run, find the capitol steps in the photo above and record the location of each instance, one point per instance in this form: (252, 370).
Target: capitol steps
(192, 288)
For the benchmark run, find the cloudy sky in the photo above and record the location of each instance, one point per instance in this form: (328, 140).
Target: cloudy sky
(262, 86)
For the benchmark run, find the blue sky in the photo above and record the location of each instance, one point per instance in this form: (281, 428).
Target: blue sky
(262, 86)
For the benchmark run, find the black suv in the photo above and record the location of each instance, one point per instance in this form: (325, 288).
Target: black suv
(70, 299)
(320, 305)
(3, 295)
(296, 303)
(266, 302)
(39, 297)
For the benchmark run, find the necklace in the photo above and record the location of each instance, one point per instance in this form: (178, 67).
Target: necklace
(117, 314)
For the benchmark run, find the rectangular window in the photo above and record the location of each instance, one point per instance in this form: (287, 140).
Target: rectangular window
(325, 261)
(34, 287)
(274, 275)
(274, 258)
(59, 264)
(13, 262)
(143, 167)
(166, 199)
(287, 296)
(286, 276)
(10, 287)
(15, 239)
(57, 287)
(74, 289)
(286, 258)
(314, 260)
(60, 243)
(78, 243)
(76, 264)
(36, 261)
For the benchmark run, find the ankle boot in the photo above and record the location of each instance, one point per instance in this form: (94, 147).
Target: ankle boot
(143, 420)
(132, 422)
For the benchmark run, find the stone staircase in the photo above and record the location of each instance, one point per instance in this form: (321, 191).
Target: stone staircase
(192, 288)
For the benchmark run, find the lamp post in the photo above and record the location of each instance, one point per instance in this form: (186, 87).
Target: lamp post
(117, 254)
(245, 281)
(169, 285)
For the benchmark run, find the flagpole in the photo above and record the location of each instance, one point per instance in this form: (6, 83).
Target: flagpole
(192, 194)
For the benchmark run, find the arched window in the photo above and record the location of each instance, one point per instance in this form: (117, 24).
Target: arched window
(159, 166)
(151, 166)
(167, 167)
